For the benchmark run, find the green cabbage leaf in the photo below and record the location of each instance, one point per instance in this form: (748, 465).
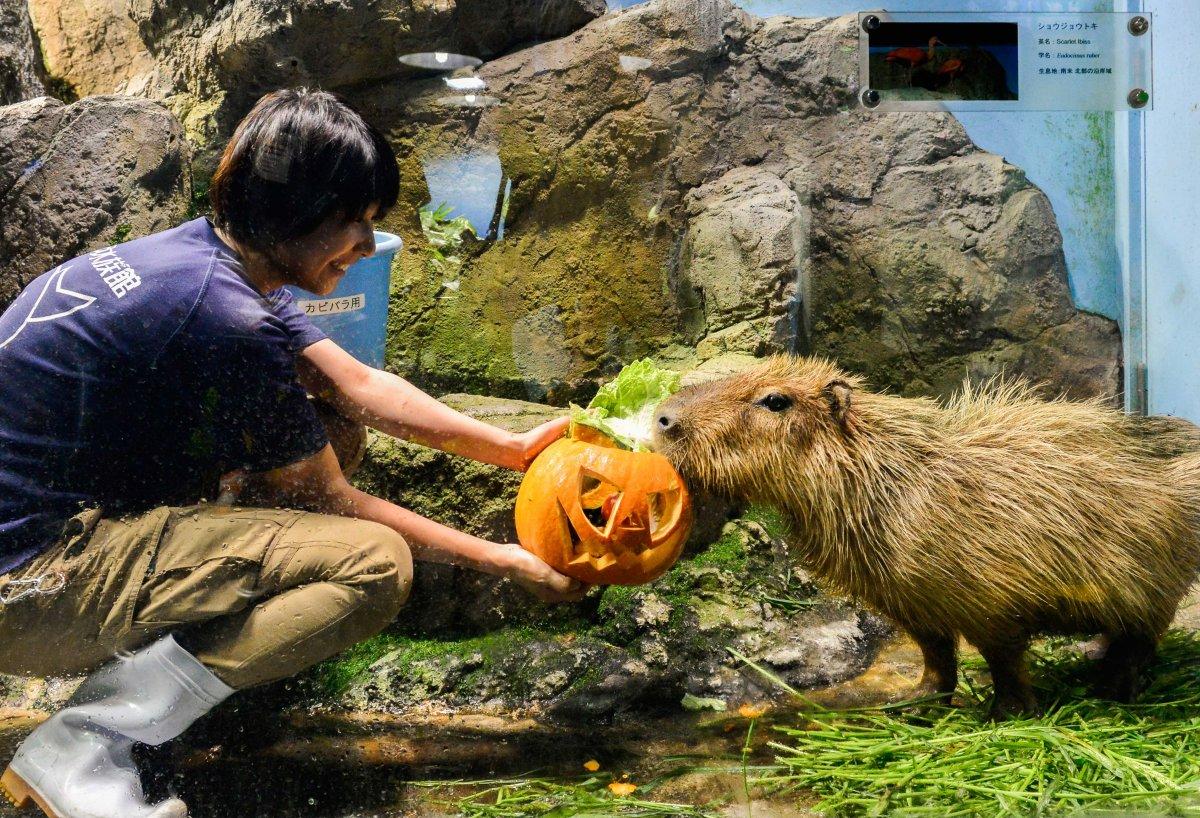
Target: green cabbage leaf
(624, 407)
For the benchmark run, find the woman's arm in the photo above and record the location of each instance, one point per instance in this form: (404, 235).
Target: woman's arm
(317, 484)
(391, 404)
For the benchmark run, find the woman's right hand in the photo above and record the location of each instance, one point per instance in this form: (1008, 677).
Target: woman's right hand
(535, 576)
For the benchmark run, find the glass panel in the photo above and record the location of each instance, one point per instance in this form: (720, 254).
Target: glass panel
(823, 305)
(973, 62)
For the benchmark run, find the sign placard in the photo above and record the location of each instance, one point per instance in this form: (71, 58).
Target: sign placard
(334, 306)
(1043, 61)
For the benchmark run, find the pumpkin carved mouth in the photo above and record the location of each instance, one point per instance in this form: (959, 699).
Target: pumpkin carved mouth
(602, 514)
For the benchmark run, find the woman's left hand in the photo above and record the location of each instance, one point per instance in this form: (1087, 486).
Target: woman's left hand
(531, 443)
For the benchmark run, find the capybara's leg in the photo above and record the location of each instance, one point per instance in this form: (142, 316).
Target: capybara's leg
(1012, 690)
(941, 663)
(1119, 672)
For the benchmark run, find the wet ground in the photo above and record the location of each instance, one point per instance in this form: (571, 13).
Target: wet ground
(364, 764)
(359, 765)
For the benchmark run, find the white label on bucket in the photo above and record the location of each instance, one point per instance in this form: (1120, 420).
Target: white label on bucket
(333, 306)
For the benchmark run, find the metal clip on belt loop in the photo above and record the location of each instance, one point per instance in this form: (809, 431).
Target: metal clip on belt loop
(45, 584)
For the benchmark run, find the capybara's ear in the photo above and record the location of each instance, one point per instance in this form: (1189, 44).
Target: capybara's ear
(837, 392)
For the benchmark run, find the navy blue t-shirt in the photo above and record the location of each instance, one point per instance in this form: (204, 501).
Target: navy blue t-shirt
(135, 376)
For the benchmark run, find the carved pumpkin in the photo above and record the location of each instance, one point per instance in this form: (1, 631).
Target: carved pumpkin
(602, 514)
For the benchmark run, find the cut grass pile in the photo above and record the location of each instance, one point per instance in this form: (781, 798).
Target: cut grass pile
(1083, 755)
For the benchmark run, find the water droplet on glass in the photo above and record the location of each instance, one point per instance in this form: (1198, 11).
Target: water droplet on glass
(466, 83)
(439, 60)
(469, 101)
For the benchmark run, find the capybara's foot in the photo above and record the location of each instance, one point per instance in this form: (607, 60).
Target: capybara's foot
(940, 675)
(1013, 704)
(1010, 680)
(931, 689)
(1122, 687)
(1118, 675)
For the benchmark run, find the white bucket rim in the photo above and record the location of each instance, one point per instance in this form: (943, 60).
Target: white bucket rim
(386, 243)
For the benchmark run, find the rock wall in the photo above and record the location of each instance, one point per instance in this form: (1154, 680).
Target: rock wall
(19, 78)
(81, 176)
(689, 181)
(680, 179)
(92, 47)
(209, 62)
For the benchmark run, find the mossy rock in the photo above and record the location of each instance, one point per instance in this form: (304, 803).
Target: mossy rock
(628, 648)
(457, 491)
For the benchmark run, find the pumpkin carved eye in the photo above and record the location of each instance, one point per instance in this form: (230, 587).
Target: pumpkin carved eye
(775, 402)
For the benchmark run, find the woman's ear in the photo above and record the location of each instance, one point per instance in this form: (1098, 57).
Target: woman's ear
(837, 393)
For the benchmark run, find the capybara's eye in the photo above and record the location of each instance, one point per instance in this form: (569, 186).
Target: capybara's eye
(775, 402)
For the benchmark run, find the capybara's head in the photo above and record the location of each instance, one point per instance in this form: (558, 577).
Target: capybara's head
(749, 435)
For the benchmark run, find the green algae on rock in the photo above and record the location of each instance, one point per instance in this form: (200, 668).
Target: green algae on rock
(627, 647)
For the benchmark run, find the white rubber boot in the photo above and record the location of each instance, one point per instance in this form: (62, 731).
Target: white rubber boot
(78, 763)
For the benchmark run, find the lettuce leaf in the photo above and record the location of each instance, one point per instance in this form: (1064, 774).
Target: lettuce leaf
(624, 407)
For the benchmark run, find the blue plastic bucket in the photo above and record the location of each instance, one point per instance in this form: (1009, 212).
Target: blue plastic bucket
(355, 314)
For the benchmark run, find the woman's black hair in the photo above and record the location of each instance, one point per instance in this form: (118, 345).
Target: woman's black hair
(297, 158)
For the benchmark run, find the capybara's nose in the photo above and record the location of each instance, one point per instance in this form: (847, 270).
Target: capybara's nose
(667, 423)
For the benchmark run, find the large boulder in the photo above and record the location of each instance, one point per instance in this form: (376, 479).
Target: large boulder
(745, 237)
(210, 62)
(687, 181)
(19, 78)
(678, 641)
(81, 176)
(93, 47)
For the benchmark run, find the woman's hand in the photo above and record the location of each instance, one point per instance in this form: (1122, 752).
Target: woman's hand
(530, 444)
(535, 576)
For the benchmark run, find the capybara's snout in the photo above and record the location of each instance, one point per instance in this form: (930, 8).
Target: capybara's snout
(680, 438)
(668, 421)
(681, 421)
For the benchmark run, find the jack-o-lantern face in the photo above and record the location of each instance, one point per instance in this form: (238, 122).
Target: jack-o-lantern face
(601, 514)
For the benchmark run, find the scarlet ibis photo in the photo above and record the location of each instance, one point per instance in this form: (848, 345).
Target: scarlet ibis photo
(943, 60)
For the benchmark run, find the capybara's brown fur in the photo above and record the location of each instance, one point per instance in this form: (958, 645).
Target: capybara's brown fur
(992, 516)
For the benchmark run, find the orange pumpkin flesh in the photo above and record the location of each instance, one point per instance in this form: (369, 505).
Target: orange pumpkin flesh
(602, 514)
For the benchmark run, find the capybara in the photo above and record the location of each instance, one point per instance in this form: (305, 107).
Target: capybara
(993, 516)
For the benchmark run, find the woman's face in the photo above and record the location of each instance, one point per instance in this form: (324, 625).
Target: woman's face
(316, 262)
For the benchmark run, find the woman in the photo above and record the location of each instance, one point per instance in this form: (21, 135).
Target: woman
(135, 377)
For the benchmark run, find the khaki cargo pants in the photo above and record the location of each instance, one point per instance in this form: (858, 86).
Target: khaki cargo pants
(256, 594)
